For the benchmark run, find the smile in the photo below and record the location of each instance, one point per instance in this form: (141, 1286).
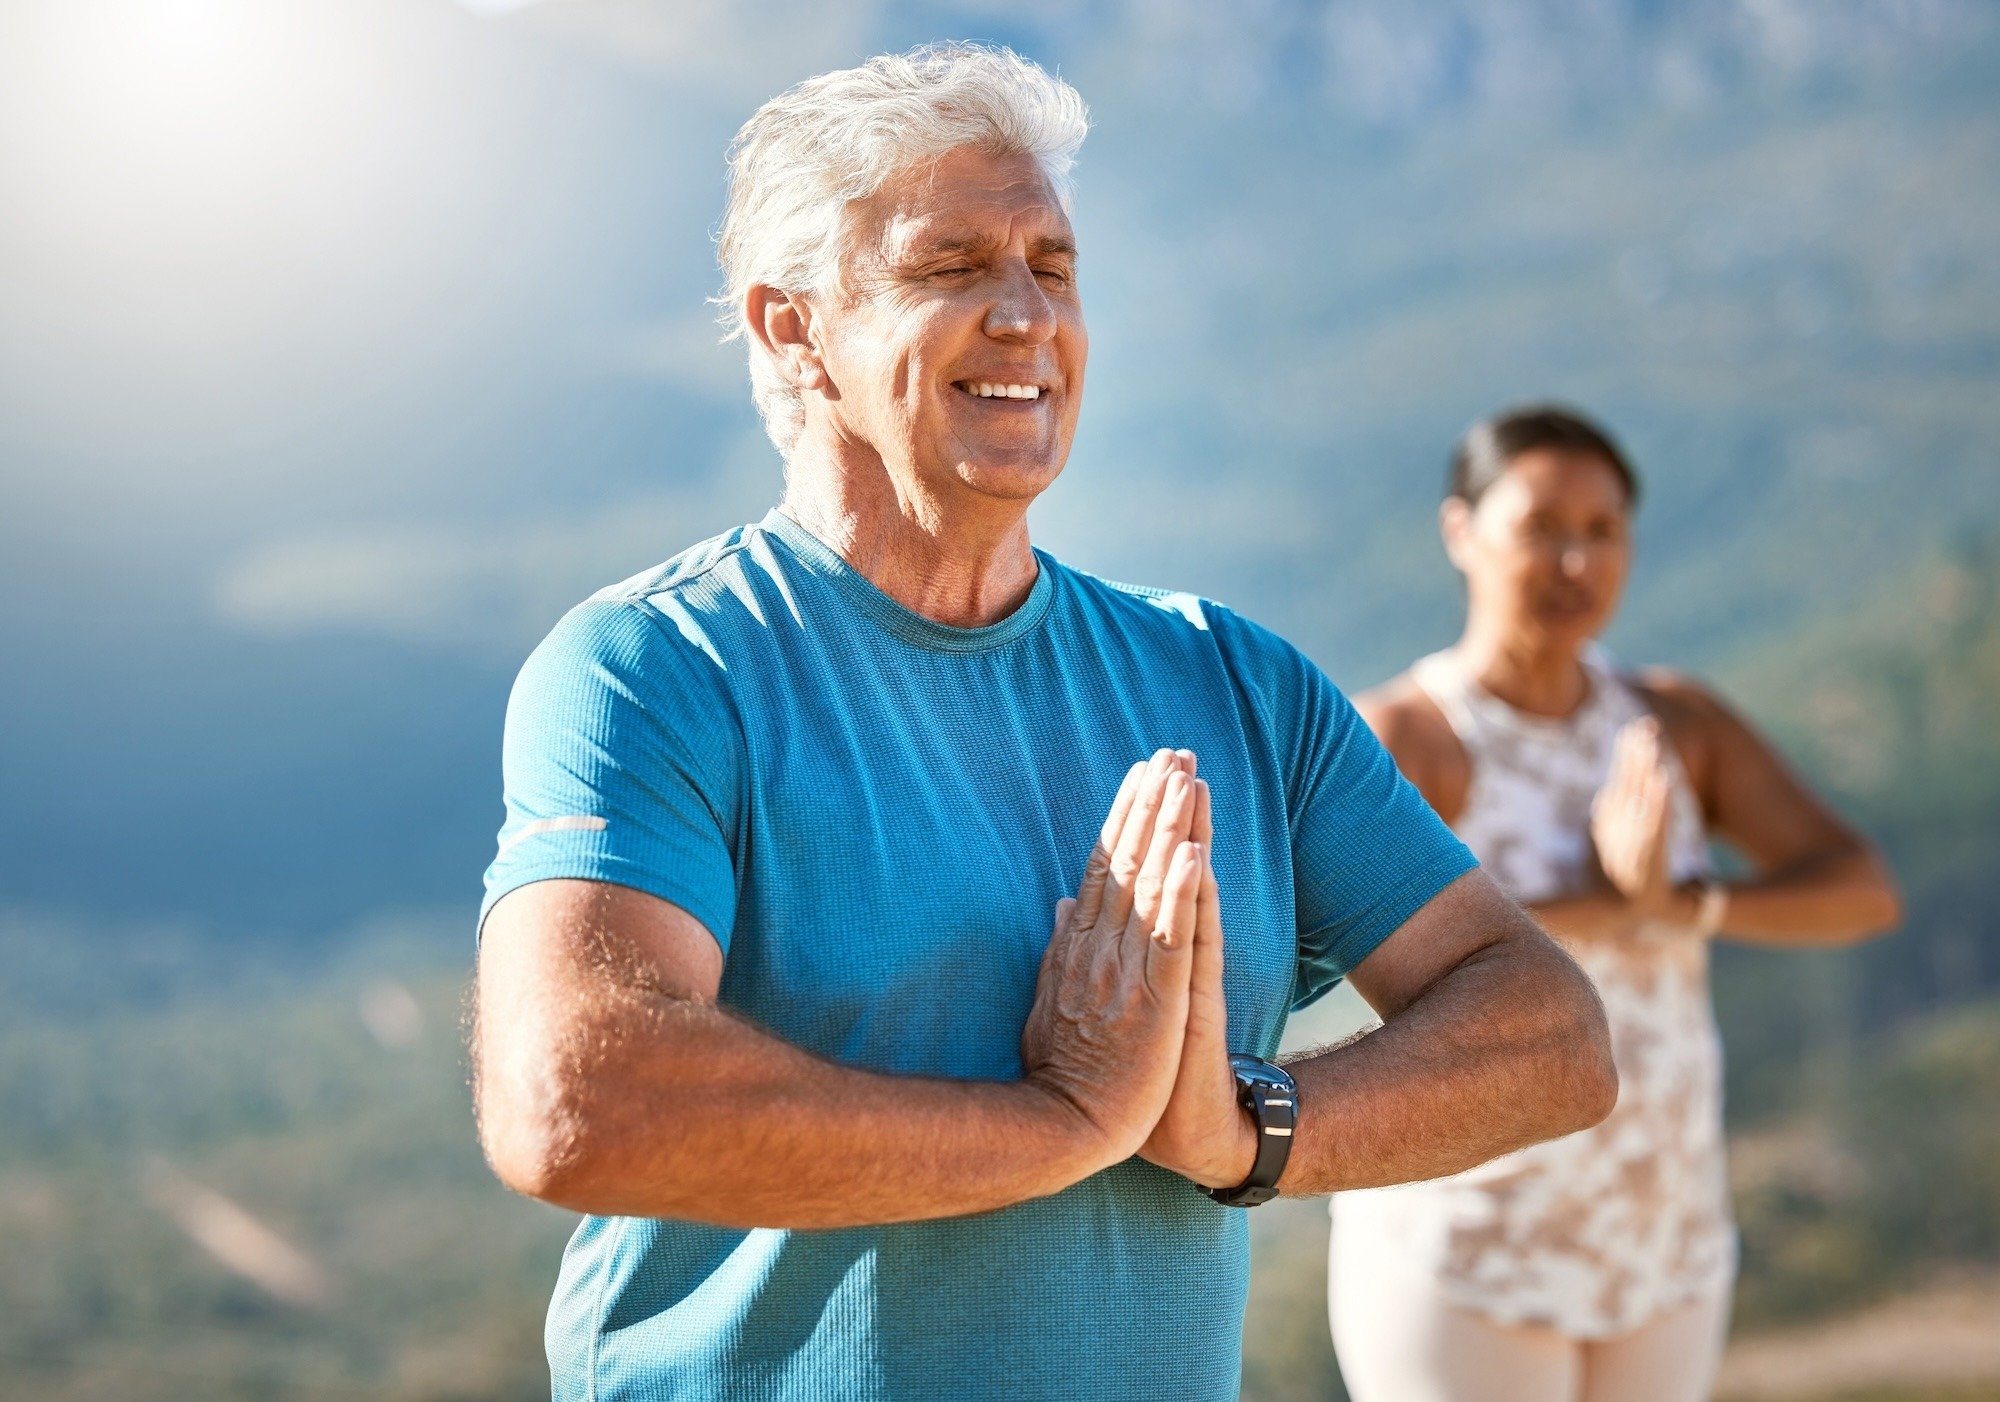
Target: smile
(980, 389)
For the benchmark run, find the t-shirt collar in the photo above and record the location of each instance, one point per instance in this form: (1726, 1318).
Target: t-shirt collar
(824, 561)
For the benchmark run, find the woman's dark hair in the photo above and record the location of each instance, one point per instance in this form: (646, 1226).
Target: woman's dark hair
(1492, 443)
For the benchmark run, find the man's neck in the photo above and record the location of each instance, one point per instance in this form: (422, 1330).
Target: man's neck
(965, 563)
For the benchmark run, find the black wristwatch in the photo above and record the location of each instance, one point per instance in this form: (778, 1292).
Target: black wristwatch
(1269, 1094)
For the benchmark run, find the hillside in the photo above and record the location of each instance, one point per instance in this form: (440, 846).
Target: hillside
(247, 1172)
(275, 1195)
(242, 1172)
(262, 1187)
(1890, 708)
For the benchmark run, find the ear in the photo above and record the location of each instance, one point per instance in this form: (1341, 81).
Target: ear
(1455, 526)
(783, 324)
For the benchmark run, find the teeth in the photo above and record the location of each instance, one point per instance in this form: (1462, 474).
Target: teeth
(995, 391)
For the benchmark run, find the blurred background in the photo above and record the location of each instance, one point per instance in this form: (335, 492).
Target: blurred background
(345, 343)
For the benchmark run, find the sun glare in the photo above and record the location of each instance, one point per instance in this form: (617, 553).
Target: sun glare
(182, 107)
(204, 185)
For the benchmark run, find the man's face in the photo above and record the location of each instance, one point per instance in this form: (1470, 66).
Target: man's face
(955, 346)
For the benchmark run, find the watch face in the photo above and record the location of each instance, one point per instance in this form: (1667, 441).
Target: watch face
(1260, 1072)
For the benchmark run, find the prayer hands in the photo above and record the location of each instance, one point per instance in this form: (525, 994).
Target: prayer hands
(1632, 817)
(1195, 1128)
(1110, 1015)
(1204, 1134)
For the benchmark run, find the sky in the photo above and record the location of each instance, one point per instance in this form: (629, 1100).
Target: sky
(345, 343)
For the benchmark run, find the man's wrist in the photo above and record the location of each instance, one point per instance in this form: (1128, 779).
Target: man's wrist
(1243, 1155)
(1235, 1153)
(1074, 1145)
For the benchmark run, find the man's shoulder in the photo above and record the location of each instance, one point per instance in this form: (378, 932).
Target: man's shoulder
(1148, 605)
(1232, 634)
(704, 564)
(656, 620)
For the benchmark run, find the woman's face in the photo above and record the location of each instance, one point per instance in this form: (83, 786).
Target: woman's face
(1545, 551)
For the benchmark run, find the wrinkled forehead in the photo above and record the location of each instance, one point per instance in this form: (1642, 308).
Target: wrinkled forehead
(968, 199)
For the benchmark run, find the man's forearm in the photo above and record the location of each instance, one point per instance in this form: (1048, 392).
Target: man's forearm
(689, 1112)
(1506, 1049)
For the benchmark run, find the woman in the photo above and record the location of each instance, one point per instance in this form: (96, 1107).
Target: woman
(1598, 1266)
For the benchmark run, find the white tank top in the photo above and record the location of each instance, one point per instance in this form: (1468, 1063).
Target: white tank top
(1594, 1233)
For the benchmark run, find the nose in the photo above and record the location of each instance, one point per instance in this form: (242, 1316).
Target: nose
(1575, 556)
(1021, 311)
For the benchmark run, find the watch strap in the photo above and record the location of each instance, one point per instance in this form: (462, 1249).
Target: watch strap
(1271, 1096)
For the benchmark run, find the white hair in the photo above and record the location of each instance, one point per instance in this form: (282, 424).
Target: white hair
(809, 153)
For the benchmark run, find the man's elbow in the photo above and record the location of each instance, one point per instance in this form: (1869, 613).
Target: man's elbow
(528, 1154)
(1588, 1071)
(1598, 1092)
(534, 1142)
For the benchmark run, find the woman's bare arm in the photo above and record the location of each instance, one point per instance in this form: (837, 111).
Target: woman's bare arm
(1492, 1039)
(1817, 881)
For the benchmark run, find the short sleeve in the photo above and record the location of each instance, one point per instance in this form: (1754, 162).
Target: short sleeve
(1367, 851)
(622, 763)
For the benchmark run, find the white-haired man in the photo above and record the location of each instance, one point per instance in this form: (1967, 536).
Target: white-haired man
(766, 985)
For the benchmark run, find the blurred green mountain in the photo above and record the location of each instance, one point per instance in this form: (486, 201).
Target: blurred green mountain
(265, 1186)
(150, 1089)
(330, 1110)
(1890, 707)
(1903, 1185)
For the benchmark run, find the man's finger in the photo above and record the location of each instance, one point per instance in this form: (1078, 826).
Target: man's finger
(1090, 893)
(1169, 951)
(1208, 923)
(1054, 956)
(1128, 853)
(1053, 953)
(1170, 830)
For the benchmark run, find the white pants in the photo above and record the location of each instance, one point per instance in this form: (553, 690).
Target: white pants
(1400, 1340)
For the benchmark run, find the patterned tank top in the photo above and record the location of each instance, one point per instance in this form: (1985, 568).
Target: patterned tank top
(1594, 1233)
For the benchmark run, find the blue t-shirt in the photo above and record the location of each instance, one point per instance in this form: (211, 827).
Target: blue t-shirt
(875, 815)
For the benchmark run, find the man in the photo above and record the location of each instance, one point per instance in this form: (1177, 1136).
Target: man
(766, 986)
